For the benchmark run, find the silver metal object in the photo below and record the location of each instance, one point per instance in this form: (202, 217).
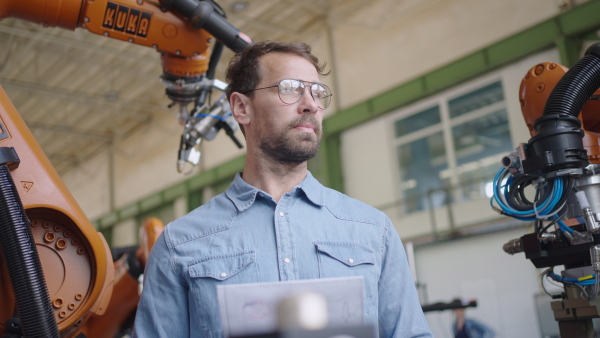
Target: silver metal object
(513, 246)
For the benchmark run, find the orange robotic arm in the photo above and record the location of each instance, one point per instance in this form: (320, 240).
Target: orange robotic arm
(123, 303)
(184, 46)
(75, 258)
(561, 160)
(535, 89)
(141, 22)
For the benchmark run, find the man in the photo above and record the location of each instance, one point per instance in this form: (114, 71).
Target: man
(276, 222)
(467, 327)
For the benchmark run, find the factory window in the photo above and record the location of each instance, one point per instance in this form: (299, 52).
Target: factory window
(449, 150)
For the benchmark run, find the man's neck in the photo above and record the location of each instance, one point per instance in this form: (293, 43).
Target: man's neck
(272, 177)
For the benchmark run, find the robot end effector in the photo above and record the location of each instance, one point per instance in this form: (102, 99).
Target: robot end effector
(559, 149)
(205, 124)
(205, 120)
(560, 107)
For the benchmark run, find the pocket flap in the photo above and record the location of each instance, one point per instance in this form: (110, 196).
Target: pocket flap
(222, 267)
(350, 254)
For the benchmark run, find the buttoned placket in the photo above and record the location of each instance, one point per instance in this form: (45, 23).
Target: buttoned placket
(285, 239)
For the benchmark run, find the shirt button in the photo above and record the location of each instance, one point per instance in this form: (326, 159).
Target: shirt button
(281, 214)
(223, 274)
(350, 260)
(287, 260)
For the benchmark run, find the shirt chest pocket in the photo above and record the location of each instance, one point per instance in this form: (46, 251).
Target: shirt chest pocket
(342, 259)
(236, 268)
(206, 273)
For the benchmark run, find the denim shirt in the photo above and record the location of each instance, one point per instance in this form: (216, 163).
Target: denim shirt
(476, 329)
(244, 236)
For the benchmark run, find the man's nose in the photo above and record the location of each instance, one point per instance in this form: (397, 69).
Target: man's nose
(307, 102)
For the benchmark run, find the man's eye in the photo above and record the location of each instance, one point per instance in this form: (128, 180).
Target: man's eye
(290, 87)
(286, 90)
(319, 92)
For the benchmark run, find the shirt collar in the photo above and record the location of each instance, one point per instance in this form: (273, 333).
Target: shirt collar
(243, 194)
(313, 189)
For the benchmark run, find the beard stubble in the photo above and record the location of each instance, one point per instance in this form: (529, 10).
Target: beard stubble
(290, 148)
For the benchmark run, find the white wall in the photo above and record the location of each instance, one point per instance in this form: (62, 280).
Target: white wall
(434, 33)
(369, 158)
(503, 285)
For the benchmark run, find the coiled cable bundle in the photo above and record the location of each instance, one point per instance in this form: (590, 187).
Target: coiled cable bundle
(550, 198)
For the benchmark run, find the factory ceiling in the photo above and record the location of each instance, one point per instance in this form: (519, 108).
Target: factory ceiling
(80, 93)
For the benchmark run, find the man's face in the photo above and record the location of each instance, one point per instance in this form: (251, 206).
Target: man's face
(288, 133)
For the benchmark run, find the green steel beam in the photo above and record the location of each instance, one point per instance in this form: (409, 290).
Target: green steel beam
(581, 19)
(175, 191)
(129, 211)
(331, 162)
(152, 201)
(456, 72)
(569, 50)
(217, 174)
(569, 25)
(190, 186)
(532, 40)
(194, 200)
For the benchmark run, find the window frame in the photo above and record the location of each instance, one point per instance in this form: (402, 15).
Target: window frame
(446, 126)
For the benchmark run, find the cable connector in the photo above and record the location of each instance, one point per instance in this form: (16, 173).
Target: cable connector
(595, 256)
(547, 237)
(513, 161)
(586, 209)
(513, 246)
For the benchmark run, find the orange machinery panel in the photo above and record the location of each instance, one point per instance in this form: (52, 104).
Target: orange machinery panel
(75, 258)
(125, 295)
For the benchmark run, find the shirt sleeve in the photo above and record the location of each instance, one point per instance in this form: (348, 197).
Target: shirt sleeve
(400, 313)
(163, 307)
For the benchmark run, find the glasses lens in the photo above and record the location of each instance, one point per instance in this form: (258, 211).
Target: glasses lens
(322, 95)
(290, 91)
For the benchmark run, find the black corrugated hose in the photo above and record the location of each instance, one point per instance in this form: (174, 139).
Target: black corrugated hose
(577, 85)
(558, 143)
(23, 263)
(208, 16)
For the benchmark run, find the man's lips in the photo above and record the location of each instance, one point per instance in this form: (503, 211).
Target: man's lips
(306, 127)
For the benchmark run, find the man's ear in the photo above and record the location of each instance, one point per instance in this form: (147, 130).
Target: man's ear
(241, 108)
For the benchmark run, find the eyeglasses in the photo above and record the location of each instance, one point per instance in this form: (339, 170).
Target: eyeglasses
(291, 91)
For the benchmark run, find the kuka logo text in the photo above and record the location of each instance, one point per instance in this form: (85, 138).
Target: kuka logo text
(124, 19)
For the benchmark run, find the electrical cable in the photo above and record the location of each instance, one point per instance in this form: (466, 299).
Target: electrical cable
(596, 289)
(547, 208)
(545, 274)
(550, 198)
(550, 224)
(544, 286)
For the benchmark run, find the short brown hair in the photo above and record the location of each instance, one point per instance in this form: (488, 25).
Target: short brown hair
(243, 73)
